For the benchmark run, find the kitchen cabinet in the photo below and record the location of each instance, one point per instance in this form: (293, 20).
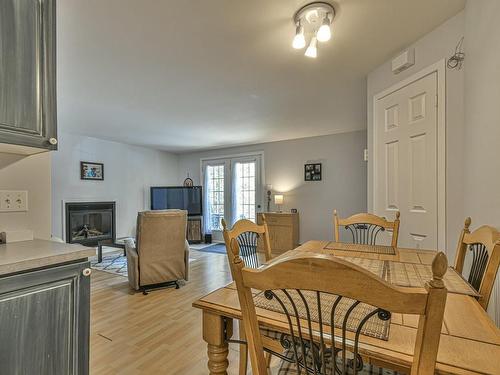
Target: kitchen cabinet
(28, 76)
(44, 308)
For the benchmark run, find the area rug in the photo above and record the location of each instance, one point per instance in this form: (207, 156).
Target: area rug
(218, 248)
(113, 263)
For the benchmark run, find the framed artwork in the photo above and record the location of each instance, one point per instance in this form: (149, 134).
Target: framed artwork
(312, 172)
(91, 171)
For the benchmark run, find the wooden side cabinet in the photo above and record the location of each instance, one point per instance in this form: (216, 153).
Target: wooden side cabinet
(44, 325)
(283, 230)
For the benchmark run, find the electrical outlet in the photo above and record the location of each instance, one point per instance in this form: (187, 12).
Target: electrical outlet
(13, 200)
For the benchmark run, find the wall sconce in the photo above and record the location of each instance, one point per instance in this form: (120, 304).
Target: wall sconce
(278, 201)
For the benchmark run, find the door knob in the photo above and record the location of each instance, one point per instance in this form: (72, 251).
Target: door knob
(86, 272)
(53, 141)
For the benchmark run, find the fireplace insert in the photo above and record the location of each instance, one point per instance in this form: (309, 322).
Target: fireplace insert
(88, 223)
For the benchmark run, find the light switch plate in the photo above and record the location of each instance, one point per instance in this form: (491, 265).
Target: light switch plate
(13, 200)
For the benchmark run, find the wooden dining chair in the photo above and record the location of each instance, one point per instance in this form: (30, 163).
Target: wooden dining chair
(365, 227)
(301, 284)
(484, 244)
(247, 234)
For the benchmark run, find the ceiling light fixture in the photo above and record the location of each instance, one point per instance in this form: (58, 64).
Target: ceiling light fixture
(312, 50)
(314, 21)
(299, 41)
(324, 33)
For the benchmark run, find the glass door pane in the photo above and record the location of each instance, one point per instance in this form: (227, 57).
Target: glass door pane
(214, 190)
(245, 189)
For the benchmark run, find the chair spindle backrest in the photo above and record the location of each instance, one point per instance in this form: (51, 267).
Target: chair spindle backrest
(484, 245)
(247, 234)
(365, 228)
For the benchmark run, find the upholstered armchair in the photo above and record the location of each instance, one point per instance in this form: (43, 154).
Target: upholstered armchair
(159, 256)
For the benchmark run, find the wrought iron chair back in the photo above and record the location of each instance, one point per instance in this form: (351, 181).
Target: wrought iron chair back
(247, 234)
(484, 246)
(365, 228)
(322, 346)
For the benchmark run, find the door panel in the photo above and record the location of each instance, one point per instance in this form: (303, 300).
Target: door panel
(392, 176)
(44, 323)
(245, 187)
(28, 73)
(215, 198)
(406, 166)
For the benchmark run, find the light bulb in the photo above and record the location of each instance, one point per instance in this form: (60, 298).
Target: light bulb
(299, 41)
(312, 50)
(324, 33)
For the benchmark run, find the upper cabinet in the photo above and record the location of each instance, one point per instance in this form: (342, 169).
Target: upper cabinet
(28, 115)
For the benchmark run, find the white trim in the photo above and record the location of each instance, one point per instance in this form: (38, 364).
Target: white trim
(228, 157)
(243, 154)
(440, 68)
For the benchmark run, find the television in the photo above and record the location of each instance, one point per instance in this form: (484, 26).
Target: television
(187, 198)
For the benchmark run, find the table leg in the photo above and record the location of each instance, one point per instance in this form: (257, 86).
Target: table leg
(216, 329)
(99, 252)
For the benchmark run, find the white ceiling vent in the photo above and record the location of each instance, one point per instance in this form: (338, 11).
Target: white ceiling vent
(403, 61)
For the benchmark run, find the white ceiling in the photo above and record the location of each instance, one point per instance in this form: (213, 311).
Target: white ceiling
(195, 74)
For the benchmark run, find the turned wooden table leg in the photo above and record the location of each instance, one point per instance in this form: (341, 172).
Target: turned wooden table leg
(213, 334)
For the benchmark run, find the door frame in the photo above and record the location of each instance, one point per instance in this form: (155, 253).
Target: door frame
(440, 69)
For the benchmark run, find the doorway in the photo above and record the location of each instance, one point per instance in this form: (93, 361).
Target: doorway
(409, 157)
(232, 191)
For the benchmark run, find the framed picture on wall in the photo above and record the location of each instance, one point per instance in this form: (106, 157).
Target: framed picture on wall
(312, 172)
(91, 171)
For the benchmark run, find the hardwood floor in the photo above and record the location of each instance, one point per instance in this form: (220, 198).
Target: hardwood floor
(155, 334)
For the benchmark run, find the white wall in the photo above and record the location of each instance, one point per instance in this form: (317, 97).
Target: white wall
(31, 173)
(129, 171)
(435, 46)
(343, 185)
(482, 119)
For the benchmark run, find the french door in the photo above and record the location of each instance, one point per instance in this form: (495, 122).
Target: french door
(232, 191)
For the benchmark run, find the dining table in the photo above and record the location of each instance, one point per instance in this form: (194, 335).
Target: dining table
(469, 343)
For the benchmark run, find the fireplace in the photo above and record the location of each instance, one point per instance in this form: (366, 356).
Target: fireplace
(88, 223)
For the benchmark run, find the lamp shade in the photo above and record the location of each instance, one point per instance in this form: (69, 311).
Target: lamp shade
(278, 199)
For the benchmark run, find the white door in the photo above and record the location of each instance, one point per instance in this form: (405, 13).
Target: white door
(232, 190)
(406, 161)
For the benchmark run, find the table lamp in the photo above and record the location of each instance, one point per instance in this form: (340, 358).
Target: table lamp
(278, 201)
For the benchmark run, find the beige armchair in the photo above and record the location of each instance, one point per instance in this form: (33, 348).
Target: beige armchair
(160, 255)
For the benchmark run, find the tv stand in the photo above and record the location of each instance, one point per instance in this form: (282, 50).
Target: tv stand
(194, 232)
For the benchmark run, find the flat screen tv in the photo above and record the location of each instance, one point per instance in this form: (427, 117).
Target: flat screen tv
(187, 198)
